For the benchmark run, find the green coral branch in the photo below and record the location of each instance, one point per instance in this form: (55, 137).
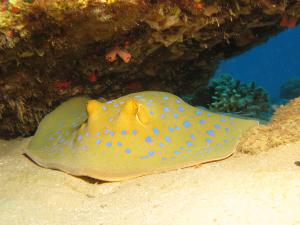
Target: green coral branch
(230, 95)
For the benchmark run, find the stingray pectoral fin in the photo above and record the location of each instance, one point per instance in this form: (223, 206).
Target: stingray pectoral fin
(59, 123)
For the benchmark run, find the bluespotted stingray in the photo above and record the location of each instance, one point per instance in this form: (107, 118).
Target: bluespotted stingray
(134, 135)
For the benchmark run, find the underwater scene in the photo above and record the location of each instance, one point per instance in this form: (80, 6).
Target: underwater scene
(149, 112)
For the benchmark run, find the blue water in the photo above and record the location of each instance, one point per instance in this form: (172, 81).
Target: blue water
(269, 64)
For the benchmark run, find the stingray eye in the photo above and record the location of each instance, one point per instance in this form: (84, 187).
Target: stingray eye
(92, 106)
(142, 114)
(131, 107)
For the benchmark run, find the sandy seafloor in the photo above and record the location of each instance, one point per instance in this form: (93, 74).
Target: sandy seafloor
(243, 189)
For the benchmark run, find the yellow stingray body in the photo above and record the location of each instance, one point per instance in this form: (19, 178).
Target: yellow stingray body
(134, 135)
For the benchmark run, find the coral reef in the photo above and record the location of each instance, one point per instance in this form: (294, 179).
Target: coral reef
(290, 89)
(60, 48)
(283, 129)
(229, 95)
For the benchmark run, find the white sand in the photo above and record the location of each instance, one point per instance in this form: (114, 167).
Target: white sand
(260, 189)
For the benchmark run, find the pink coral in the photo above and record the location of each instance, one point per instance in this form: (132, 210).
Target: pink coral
(111, 55)
(124, 55)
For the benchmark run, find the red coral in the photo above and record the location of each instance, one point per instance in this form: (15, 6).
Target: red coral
(134, 86)
(289, 22)
(93, 77)
(62, 85)
(199, 6)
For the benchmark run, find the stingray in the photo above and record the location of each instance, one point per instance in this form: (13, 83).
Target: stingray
(134, 135)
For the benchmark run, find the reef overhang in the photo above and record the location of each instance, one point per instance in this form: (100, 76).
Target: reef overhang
(51, 50)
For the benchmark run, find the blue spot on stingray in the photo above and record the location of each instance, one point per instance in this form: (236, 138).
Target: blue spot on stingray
(179, 100)
(181, 109)
(151, 113)
(134, 132)
(189, 150)
(189, 143)
(127, 151)
(181, 148)
(223, 120)
(79, 138)
(108, 144)
(98, 133)
(202, 122)
(193, 136)
(109, 102)
(177, 128)
(175, 115)
(171, 129)
(164, 158)
(119, 144)
(98, 141)
(163, 116)
(209, 140)
(161, 144)
(58, 132)
(177, 152)
(226, 141)
(167, 138)
(166, 97)
(217, 126)
(111, 119)
(227, 129)
(107, 131)
(52, 138)
(148, 139)
(112, 133)
(124, 132)
(151, 153)
(88, 134)
(166, 109)
(116, 105)
(198, 112)
(104, 108)
(156, 131)
(211, 132)
(209, 114)
(187, 124)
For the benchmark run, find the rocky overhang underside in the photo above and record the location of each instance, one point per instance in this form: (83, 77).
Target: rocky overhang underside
(52, 50)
